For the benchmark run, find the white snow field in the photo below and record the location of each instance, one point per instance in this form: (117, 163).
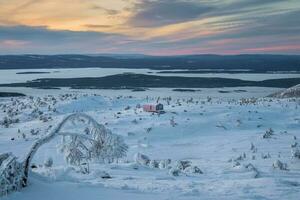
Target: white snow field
(233, 148)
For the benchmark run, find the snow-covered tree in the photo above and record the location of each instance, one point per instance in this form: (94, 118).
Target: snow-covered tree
(78, 146)
(11, 174)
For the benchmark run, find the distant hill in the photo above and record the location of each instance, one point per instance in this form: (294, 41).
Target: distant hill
(255, 63)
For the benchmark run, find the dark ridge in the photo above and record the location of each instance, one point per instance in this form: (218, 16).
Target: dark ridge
(11, 94)
(134, 81)
(254, 63)
(33, 73)
(185, 90)
(218, 71)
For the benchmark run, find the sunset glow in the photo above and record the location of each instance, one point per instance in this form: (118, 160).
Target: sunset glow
(149, 26)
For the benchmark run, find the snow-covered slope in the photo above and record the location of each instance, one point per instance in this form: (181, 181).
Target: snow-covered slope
(288, 93)
(230, 141)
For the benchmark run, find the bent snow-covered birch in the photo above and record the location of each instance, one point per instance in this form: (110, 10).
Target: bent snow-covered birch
(103, 144)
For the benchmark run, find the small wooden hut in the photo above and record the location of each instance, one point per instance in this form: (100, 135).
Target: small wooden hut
(153, 108)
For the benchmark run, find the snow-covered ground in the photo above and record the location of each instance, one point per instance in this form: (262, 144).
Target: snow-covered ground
(228, 139)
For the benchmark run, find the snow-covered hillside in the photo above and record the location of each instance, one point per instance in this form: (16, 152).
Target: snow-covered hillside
(292, 92)
(201, 148)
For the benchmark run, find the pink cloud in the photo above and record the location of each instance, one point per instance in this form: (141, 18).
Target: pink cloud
(281, 48)
(13, 43)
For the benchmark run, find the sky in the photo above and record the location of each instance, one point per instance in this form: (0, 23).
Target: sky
(154, 27)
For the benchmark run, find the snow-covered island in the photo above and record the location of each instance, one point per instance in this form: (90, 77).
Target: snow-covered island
(108, 147)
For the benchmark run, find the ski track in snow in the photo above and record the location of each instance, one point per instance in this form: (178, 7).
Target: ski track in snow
(208, 133)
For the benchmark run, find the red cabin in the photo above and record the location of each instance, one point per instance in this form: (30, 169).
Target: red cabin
(153, 108)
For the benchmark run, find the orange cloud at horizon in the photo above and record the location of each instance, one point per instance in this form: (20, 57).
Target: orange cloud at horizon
(74, 15)
(98, 16)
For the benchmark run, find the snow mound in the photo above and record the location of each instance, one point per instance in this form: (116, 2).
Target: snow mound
(288, 93)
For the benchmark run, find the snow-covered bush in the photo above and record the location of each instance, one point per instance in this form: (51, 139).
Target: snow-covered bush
(172, 122)
(295, 153)
(193, 170)
(265, 156)
(141, 159)
(154, 164)
(253, 148)
(179, 167)
(268, 134)
(107, 146)
(174, 171)
(280, 165)
(48, 162)
(236, 164)
(164, 163)
(74, 151)
(11, 174)
(182, 164)
(101, 174)
(84, 168)
(7, 121)
(252, 168)
(294, 145)
(100, 145)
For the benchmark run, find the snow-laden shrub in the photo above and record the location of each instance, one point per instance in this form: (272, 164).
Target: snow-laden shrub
(294, 145)
(107, 146)
(172, 122)
(253, 148)
(280, 165)
(295, 153)
(256, 173)
(102, 146)
(11, 174)
(101, 174)
(236, 164)
(154, 164)
(193, 170)
(164, 163)
(182, 164)
(48, 162)
(174, 171)
(75, 152)
(7, 121)
(239, 158)
(179, 167)
(268, 134)
(141, 159)
(265, 156)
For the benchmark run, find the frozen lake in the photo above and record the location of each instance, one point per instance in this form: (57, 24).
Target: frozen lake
(13, 76)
